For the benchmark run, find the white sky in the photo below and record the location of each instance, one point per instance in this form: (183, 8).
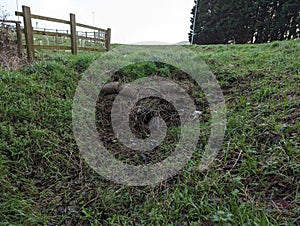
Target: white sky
(131, 21)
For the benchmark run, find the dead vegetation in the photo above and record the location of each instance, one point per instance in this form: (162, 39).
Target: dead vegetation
(9, 59)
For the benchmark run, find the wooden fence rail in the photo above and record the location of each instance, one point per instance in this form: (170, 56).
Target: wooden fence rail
(73, 35)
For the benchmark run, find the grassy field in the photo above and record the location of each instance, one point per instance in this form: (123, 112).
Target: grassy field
(254, 181)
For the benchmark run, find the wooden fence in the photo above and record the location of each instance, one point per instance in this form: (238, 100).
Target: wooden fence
(99, 35)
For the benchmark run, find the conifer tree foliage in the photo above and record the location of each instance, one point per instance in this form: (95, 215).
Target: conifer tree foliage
(242, 21)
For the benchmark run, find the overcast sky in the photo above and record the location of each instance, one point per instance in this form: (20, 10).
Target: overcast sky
(131, 21)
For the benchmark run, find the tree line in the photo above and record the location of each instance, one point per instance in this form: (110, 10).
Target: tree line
(244, 21)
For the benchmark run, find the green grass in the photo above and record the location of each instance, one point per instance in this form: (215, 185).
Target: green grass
(254, 180)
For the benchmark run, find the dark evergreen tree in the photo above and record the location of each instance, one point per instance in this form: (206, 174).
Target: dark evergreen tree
(222, 21)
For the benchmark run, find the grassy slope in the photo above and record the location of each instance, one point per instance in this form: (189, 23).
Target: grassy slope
(255, 179)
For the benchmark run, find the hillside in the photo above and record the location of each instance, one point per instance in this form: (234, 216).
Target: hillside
(254, 181)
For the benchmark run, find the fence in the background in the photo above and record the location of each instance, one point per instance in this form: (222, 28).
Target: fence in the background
(97, 40)
(6, 41)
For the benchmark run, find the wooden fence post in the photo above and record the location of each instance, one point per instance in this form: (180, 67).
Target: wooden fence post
(73, 34)
(28, 33)
(107, 39)
(19, 40)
